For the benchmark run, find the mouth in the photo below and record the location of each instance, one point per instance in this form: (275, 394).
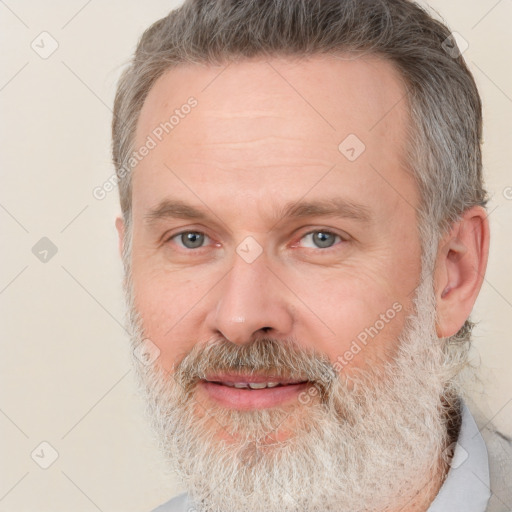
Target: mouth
(247, 392)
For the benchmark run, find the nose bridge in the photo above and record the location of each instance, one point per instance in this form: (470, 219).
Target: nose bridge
(251, 299)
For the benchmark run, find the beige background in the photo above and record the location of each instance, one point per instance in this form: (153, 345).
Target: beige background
(65, 365)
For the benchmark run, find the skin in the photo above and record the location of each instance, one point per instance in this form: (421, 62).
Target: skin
(264, 134)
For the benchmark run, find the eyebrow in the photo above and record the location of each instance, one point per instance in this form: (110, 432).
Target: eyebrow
(174, 208)
(333, 207)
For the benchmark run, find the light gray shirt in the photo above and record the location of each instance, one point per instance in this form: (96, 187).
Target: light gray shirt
(466, 487)
(467, 484)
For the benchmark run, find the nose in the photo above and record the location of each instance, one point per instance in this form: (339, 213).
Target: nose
(251, 301)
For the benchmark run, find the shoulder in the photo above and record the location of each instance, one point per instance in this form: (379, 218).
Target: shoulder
(499, 450)
(176, 504)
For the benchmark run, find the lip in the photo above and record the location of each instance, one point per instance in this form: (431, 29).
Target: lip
(233, 378)
(246, 399)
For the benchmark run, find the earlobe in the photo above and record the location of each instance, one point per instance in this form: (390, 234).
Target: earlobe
(460, 269)
(120, 232)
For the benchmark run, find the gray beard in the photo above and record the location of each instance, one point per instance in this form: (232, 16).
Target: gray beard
(359, 443)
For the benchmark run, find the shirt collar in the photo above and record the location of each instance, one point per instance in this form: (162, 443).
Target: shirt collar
(467, 485)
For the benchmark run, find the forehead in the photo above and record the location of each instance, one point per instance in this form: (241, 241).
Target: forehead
(264, 123)
(336, 91)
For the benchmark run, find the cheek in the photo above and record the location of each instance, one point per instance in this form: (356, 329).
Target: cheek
(170, 312)
(355, 321)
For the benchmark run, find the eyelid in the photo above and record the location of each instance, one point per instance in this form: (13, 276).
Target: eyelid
(184, 229)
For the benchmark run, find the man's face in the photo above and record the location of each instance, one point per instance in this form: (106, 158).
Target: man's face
(268, 247)
(258, 158)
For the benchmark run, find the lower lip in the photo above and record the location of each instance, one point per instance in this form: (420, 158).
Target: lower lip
(245, 399)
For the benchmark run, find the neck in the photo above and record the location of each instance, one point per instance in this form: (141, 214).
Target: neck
(421, 500)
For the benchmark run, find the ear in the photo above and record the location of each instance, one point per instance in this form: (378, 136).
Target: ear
(460, 268)
(120, 231)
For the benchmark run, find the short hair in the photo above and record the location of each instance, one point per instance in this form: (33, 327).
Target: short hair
(443, 150)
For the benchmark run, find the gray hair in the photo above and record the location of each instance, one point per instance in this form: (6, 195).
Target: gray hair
(443, 150)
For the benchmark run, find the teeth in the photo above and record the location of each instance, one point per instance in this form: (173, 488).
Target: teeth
(257, 385)
(254, 385)
(251, 385)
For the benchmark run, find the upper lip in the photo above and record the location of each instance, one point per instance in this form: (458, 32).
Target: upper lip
(232, 378)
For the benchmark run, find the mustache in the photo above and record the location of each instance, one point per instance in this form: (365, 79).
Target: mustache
(263, 356)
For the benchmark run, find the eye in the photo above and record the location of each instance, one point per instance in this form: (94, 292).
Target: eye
(320, 239)
(190, 239)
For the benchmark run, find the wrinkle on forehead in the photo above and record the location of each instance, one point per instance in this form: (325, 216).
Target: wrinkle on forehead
(323, 95)
(260, 124)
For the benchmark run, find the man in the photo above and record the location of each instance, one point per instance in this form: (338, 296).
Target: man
(304, 236)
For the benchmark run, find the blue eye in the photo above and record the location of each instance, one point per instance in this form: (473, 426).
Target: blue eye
(190, 239)
(321, 239)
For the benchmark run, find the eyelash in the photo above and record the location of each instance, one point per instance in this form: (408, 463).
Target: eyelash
(325, 231)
